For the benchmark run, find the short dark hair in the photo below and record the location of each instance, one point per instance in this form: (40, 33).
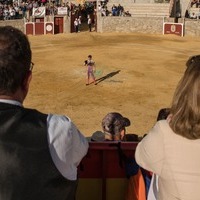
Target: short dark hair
(114, 123)
(15, 59)
(163, 113)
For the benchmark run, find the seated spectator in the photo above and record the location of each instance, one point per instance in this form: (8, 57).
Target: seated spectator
(103, 11)
(113, 125)
(126, 14)
(114, 129)
(97, 136)
(193, 16)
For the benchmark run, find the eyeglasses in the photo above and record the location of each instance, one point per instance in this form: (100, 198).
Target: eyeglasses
(31, 66)
(193, 59)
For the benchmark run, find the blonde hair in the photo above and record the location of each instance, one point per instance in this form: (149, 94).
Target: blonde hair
(185, 107)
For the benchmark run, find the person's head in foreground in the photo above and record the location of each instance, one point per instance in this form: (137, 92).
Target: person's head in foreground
(15, 63)
(171, 148)
(38, 155)
(185, 110)
(114, 126)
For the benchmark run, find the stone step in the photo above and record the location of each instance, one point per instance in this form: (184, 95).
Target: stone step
(141, 6)
(153, 9)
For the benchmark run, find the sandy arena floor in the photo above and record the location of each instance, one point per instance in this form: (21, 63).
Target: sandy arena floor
(143, 71)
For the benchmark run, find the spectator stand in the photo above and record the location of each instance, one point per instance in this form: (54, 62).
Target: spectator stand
(101, 173)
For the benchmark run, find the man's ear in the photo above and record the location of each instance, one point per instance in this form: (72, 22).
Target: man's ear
(27, 81)
(122, 133)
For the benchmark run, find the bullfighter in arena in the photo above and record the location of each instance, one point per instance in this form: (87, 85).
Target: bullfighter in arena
(90, 69)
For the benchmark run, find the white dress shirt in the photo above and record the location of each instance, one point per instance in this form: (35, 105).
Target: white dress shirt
(66, 144)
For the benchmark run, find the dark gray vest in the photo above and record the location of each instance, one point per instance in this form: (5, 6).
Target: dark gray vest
(27, 171)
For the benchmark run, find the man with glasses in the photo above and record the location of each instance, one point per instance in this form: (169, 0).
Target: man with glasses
(39, 153)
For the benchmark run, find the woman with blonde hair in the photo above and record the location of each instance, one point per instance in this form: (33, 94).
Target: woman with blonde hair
(171, 149)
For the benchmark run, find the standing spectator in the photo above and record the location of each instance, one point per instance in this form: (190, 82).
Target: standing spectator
(16, 7)
(51, 8)
(39, 152)
(6, 13)
(120, 10)
(99, 7)
(68, 8)
(29, 8)
(35, 4)
(114, 10)
(76, 25)
(1, 12)
(171, 149)
(12, 12)
(89, 23)
(79, 23)
(23, 8)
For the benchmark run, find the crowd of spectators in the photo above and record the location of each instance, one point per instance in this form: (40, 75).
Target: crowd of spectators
(193, 12)
(85, 9)
(16, 10)
(115, 10)
(9, 11)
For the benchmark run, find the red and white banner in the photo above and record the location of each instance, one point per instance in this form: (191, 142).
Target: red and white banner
(62, 10)
(39, 12)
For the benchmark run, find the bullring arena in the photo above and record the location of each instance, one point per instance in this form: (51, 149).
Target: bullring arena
(137, 71)
(137, 76)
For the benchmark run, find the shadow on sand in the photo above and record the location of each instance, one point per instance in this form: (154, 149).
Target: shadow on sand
(106, 77)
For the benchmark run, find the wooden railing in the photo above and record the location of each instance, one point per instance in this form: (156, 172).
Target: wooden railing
(101, 171)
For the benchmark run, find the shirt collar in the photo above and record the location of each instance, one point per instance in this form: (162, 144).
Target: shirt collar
(13, 102)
